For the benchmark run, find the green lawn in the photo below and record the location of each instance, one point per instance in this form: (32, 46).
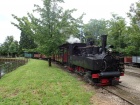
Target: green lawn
(37, 84)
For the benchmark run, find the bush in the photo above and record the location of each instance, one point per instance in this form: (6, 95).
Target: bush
(131, 50)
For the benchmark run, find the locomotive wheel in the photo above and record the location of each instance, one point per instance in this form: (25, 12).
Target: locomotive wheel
(88, 79)
(79, 72)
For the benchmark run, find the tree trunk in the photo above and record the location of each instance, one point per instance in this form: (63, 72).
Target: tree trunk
(49, 61)
(0, 73)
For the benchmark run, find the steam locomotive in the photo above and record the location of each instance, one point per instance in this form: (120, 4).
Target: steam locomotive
(97, 64)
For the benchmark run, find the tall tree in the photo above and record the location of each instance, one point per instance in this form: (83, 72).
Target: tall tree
(27, 35)
(56, 24)
(53, 26)
(7, 43)
(117, 32)
(10, 46)
(14, 48)
(26, 41)
(134, 30)
(95, 28)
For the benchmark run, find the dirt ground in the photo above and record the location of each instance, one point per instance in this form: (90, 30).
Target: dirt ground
(102, 97)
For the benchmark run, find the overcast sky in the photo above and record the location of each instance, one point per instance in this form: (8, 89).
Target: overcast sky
(94, 9)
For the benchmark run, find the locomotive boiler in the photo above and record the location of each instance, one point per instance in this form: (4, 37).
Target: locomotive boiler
(97, 64)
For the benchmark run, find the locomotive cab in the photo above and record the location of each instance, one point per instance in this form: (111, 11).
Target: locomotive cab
(76, 51)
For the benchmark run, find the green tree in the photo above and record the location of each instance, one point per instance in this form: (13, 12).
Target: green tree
(95, 28)
(27, 36)
(53, 27)
(14, 48)
(26, 42)
(134, 30)
(9, 47)
(7, 43)
(57, 25)
(117, 32)
(3, 50)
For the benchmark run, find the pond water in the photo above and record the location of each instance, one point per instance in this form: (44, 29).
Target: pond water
(2, 68)
(5, 67)
(2, 63)
(8, 65)
(2, 73)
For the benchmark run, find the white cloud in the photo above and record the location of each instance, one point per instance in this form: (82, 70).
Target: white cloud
(93, 8)
(99, 8)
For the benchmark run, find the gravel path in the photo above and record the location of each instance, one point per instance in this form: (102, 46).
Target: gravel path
(133, 85)
(131, 82)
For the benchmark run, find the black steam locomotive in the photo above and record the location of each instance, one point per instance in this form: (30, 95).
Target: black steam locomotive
(98, 65)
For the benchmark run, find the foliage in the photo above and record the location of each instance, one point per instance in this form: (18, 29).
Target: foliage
(134, 29)
(130, 50)
(26, 38)
(35, 83)
(55, 25)
(95, 28)
(52, 28)
(9, 47)
(117, 33)
(26, 41)
(13, 48)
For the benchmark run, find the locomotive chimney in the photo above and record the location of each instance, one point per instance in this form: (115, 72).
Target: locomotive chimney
(104, 40)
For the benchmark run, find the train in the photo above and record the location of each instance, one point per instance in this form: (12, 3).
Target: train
(132, 61)
(97, 64)
(35, 55)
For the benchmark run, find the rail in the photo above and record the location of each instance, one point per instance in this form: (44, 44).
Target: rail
(123, 94)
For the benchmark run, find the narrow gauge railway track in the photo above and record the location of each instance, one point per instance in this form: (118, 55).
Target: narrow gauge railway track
(124, 95)
(120, 92)
(120, 85)
(115, 90)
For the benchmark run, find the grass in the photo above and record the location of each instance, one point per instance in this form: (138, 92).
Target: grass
(37, 84)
